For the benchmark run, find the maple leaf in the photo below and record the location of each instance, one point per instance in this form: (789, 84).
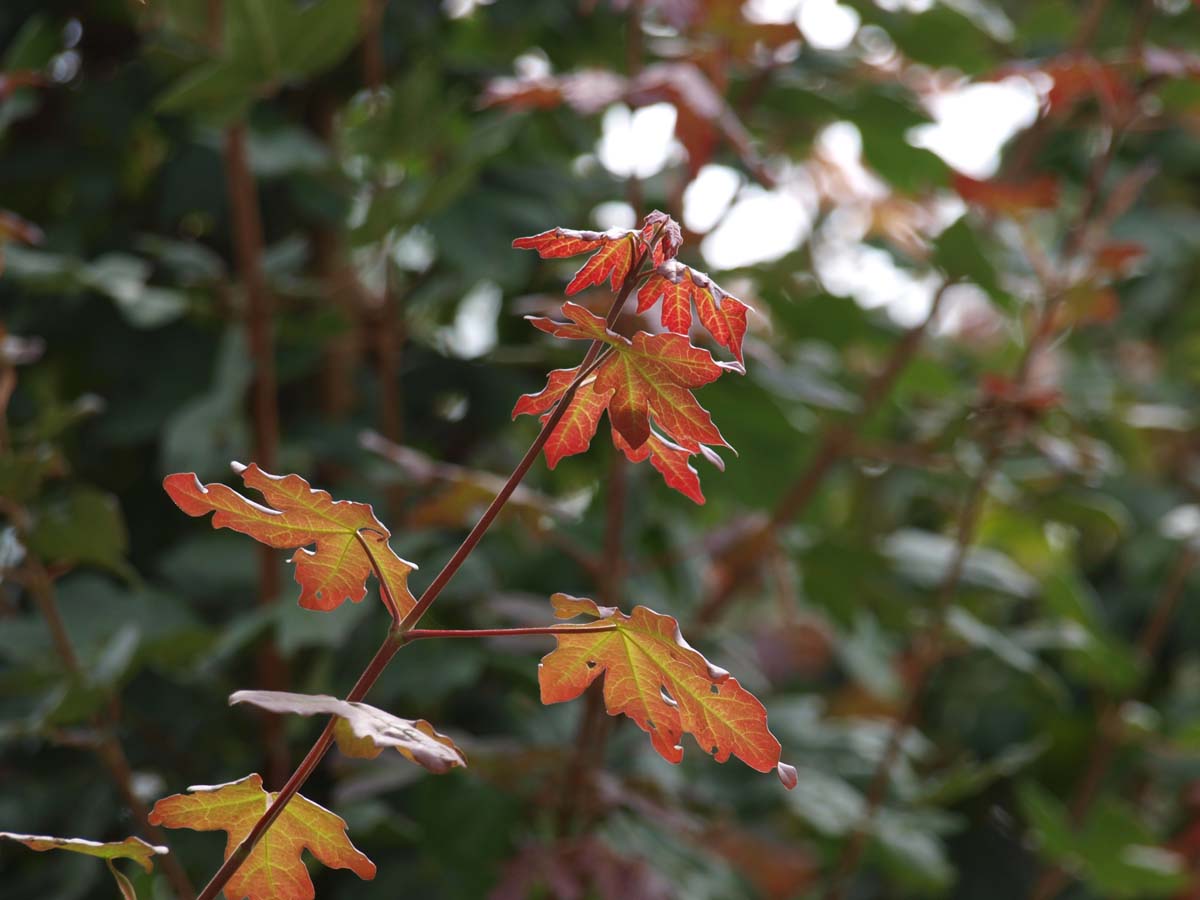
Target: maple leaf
(133, 848)
(616, 251)
(363, 731)
(671, 461)
(679, 286)
(274, 869)
(650, 375)
(653, 676)
(575, 430)
(299, 516)
(1009, 198)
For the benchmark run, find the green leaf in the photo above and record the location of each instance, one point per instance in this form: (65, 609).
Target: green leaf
(84, 527)
(958, 253)
(1111, 848)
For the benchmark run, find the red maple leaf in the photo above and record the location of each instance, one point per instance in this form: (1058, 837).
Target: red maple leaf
(650, 376)
(679, 286)
(616, 251)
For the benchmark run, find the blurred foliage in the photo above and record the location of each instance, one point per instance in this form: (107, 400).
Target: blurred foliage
(397, 149)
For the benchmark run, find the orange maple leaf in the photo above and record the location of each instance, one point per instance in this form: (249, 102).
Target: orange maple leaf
(337, 567)
(653, 676)
(274, 869)
(679, 286)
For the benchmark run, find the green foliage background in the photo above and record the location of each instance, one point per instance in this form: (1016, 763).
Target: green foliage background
(417, 190)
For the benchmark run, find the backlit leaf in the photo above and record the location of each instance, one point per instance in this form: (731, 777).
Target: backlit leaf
(133, 848)
(615, 249)
(274, 869)
(363, 731)
(337, 567)
(664, 685)
(679, 286)
(648, 376)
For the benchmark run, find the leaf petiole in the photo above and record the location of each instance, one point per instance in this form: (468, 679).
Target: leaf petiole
(425, 633)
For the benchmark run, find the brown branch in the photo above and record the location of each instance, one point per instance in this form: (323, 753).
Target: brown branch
(248, 251)
(592, 736)
(108, 746)
(1054, 878)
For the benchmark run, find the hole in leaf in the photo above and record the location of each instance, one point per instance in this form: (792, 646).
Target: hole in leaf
(714, 689)
(591, 664)
(666, 696)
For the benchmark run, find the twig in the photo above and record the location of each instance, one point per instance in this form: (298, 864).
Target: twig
(592, 736)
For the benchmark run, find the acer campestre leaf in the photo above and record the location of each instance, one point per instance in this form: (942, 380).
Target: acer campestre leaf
(653, 676)
(133, 848)
(298, 517)
(616, 250)
(679, 287)
(364, 731)
(274, 869)
(646, 379)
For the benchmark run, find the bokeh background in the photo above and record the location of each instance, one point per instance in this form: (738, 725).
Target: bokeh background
(954, 554)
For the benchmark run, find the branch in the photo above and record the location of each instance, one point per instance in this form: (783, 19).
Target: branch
(248, 250)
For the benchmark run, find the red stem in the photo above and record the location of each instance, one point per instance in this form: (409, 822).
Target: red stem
(418, 634)
(248, 250)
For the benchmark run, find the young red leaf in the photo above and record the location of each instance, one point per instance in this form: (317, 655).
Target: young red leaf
(664, 685)
(679, 286)
(670, 236)
(648, 375)
(671, 461)
(274, 869)
(616, 251)
(363, 731)
(299, 517)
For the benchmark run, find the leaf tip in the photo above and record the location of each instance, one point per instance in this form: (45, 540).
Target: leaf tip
(787, 775)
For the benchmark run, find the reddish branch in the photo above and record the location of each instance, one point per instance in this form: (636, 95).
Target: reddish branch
(248, 251)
